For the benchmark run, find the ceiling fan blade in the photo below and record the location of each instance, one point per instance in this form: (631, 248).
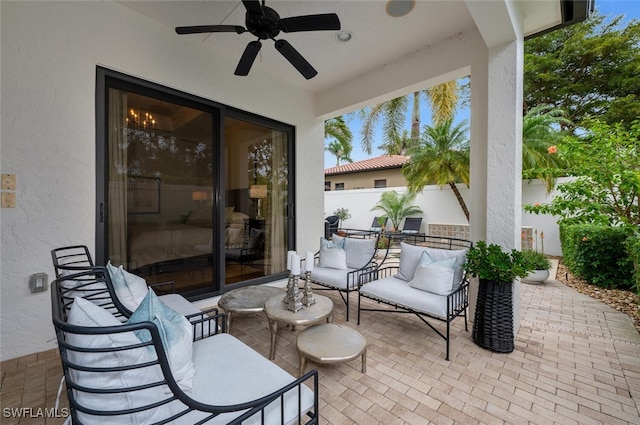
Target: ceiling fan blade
(296, 59)
(249, 55)
(197, 29)
(325, 21)
(252, 6)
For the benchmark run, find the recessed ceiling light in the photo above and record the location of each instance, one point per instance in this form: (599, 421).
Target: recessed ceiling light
(344, 36)
(398, 8)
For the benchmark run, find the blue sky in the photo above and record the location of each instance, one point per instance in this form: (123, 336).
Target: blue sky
(629, 8)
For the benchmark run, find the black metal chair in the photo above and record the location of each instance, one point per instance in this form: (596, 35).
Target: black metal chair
(376, 226)
(71, 258)
(119, 372)
(331, 226)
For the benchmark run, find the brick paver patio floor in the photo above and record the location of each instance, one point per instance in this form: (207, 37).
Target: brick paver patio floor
(577, 361)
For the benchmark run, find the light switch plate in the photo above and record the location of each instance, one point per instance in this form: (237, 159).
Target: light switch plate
(9, 181)
(8, 200)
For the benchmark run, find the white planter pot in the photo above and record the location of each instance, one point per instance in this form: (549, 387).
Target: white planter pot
(536, 276)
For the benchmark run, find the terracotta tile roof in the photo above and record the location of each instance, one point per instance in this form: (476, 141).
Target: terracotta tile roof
(379, 163)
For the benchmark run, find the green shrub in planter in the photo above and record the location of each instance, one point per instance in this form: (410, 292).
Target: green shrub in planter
(491, 263)
(536, 260)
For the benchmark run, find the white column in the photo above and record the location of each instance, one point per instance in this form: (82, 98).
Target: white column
(496, 153)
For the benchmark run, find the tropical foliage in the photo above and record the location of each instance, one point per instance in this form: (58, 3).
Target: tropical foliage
(443, 99)
(341, 145)
(442, 158)
(396, 207)
(588, 69)
(490, 262)
(606, 189)
(541, 133)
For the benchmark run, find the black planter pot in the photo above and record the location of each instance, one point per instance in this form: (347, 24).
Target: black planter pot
(493, 324)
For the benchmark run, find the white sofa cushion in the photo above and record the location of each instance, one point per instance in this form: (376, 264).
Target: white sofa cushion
(397, 291)
(434, 276)
(176, 334)
(332, 277)
(251, 377)
(85, 313)
(410, 256)
(359, 251)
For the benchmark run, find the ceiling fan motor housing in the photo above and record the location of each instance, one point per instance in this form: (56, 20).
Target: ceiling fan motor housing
(263, 25)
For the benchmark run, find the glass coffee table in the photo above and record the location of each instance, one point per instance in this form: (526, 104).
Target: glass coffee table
(277, 312)
(249, 299)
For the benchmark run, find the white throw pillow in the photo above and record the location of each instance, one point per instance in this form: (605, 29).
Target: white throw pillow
(130, 289)
(332, 256)
(85, 313)
(409, 258)
(434, 276)
(176, 334)
(359, 252)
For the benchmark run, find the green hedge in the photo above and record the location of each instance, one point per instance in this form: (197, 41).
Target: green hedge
(598, 254)
(633, 249)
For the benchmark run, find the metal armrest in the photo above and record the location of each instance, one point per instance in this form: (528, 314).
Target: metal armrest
(208, 323)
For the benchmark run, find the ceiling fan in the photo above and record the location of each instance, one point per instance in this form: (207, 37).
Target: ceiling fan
(264, 23)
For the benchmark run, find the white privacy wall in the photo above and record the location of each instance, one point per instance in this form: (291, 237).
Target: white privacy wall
(50, 51)
(440, 206)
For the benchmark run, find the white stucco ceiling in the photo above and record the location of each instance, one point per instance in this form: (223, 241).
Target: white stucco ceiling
(378, 38)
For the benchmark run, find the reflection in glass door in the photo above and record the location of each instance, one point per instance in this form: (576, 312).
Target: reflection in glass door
(160, 187)
(256, 199)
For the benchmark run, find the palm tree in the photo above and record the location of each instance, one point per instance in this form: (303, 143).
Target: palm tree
(337, 149)
(341, 146)
(396, 207)
(541, 131)
(441, 158)
(399, 146)
(442, 97)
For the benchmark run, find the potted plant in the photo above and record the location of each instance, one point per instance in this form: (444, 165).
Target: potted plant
(342, 214)
(496, 270)
(396, 207)
(538, 266)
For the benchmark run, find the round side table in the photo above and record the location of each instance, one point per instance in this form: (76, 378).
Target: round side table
(249, 299)
(331, 343)
(277, 312)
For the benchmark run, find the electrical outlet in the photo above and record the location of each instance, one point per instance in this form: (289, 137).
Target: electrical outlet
(38, 282)
(8, 200)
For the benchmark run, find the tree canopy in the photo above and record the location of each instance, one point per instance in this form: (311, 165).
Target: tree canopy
(588, 69)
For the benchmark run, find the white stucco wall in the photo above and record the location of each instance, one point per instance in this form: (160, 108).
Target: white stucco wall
(440, 206)
(49, 55)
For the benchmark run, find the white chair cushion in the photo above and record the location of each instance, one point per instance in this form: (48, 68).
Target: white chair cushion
(410, 256)
(359, 252)
(176, 334)
(434, 276)
(397, 291)
(332, 277)
(252, 377)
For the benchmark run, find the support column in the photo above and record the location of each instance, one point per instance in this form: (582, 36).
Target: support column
(496, 153)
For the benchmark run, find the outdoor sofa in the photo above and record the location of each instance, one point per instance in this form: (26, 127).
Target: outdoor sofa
(429, 282)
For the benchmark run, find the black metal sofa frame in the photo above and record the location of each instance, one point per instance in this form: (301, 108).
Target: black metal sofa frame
(457, 302)
(93, 285)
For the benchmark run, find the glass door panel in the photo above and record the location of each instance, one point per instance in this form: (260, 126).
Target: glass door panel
(160, 196)
(256, 227)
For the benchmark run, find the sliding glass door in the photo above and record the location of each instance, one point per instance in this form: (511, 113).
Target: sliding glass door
(189, 191)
